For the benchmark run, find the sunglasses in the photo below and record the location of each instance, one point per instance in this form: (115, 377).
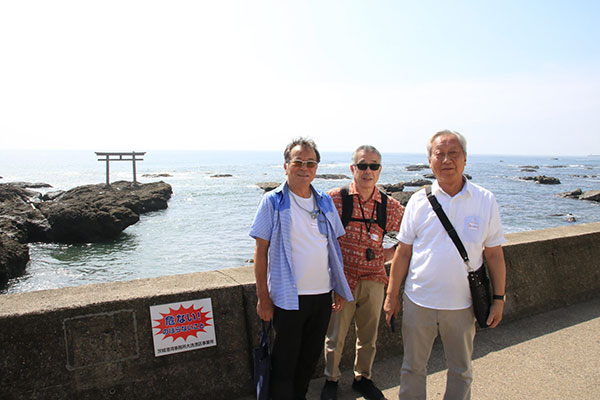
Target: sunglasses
(363, 167)
(300, 163)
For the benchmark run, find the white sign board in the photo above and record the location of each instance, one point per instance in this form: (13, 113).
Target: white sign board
(183, 326)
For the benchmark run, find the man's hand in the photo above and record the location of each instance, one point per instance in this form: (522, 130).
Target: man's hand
(497, 270)
(398, 271)
(338, 303)
(264, 309)
(391, 306)
(496, 311)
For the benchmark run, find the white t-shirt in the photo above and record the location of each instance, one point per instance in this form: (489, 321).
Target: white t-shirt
(437, 275)
(309, 248)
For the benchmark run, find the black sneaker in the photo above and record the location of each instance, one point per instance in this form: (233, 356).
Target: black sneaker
(367, 388)
(329, 391)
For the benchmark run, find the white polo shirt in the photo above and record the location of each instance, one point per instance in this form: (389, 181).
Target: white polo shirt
(437, 275)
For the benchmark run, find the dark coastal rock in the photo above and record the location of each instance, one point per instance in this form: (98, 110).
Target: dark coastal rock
(542, 179)
(20, 217)
(31, 185)
(13, 259)
(572, 195)
(530, 166)
(90, 213)
(332, 176)
(159, 175)
(528, 170)
(557, 166)
(221, 176)
(268, 186)
(590, 195)
(390, 188)
(52, 195)
(417, 182)
(584, 176)
(402, 197)
(416, 167)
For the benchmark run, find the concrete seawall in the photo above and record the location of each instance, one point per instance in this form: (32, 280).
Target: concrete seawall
(96, 341)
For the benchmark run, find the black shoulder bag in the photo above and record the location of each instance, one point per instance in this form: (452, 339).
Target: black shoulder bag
(478, 279)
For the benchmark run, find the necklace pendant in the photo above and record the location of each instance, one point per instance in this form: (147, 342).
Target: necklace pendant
(314, 214)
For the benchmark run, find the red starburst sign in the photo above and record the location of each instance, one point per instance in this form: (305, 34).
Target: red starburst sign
(182, 326)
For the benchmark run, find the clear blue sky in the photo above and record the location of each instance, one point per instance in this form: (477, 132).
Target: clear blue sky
(515, 77)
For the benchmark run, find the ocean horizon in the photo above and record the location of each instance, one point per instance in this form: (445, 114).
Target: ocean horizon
(206, 225)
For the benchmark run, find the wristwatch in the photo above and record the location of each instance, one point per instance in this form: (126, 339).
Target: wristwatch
(499, 297)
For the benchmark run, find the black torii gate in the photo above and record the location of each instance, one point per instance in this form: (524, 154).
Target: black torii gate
(128, 156)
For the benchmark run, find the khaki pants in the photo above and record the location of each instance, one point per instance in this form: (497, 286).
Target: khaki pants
(366, 309)
(420, 327)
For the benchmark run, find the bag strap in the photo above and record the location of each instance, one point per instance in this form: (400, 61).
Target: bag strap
(265, 335)
(348, 205)
(437, 207)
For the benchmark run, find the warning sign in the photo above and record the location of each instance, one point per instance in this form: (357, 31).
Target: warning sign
(183, 326)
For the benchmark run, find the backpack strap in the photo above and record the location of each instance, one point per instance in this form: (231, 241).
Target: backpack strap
(348, 205)
(382, 211)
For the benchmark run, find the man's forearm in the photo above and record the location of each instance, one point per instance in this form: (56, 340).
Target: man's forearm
(399, 268)
(497, 268)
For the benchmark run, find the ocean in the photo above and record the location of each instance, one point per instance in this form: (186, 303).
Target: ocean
(206, 225)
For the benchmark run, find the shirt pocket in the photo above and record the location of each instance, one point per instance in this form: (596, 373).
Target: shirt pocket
(473, 229)
(322, 222)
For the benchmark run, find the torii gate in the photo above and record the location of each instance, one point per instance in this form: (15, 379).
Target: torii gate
(131, 156)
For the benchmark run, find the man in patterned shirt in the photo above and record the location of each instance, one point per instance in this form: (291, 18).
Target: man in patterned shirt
(364, 258)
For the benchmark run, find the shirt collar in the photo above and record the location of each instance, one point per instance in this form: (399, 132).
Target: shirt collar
(466, 189)
(284, 188)
(353, 191)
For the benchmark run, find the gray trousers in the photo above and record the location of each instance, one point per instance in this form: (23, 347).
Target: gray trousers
(420, 327)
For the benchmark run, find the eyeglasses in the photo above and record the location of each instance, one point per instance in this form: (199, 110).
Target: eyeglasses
(363, 167)
(300, 163)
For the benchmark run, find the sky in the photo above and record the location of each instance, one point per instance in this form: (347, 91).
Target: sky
(514, 77)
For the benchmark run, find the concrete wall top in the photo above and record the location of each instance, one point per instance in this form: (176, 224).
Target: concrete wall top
(552, 233)
(82, 296)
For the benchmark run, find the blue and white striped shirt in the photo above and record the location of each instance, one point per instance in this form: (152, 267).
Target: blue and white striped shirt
(272, 223)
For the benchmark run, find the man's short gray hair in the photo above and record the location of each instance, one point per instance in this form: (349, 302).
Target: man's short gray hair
(461, 140)
(366, 149)
(303, 142)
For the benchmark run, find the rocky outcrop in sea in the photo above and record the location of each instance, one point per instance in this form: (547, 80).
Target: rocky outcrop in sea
(89, 213)
(542, 179)
(590, 195)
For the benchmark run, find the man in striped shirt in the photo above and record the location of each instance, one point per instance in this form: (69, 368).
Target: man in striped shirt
(297, 264)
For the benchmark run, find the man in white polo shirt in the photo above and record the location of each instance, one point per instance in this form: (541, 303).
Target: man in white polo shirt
(437, 299)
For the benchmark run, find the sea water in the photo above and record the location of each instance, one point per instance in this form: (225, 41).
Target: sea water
(206, 224)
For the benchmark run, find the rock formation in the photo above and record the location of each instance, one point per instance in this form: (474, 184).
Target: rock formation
(268, 186)
(332, 176)
(89, 213)
(590, 195)
(542, 179)
(416, 167)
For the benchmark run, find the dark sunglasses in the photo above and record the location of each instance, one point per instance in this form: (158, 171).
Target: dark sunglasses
(300, 163)
(363, 167)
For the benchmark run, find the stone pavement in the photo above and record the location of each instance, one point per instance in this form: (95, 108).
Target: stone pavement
(555, 355)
